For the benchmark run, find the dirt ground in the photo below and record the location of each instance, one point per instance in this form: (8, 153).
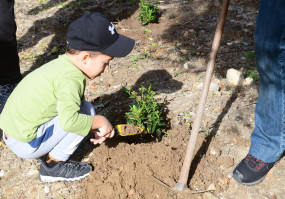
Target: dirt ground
(172, 59)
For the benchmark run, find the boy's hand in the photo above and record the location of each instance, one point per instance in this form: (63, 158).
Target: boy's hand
(100, 139)
(102, 129)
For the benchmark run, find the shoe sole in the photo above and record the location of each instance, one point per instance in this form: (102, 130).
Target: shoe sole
(247, 183)
(56, 179)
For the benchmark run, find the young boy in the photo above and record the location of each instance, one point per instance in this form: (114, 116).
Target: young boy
(47, 114)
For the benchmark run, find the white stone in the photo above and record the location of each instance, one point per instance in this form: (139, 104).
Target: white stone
(247, 81)
(47, 189)
(213, 86)
(2, 173)
(211, 187)
(234, 77)
(213, 151)
(186, 66)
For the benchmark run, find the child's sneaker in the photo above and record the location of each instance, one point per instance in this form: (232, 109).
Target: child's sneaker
(5, 91)
(68, 171)
(251, 171)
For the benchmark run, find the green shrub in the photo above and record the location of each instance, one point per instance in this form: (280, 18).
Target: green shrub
(146, 111)
(149, 12)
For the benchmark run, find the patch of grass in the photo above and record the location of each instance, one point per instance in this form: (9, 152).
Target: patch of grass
(134, 63)
(147, 30)
(250, 55)
(186, 117)
(177, 73)
(146, 111)
(149, 12)
(250, 63)
(252, 74)
(43, 47)
(32, 56)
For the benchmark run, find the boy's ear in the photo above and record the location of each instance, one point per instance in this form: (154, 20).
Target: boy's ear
(85, 57)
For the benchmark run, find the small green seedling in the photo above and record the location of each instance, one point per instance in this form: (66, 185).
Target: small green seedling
(250, 55)
(134, 63)
(250, 62)
(43, 47)
(149, 12)
(147, 30)
(177, 73)
(32, 56)
(252, 74)
(146, 111)
(147, 53)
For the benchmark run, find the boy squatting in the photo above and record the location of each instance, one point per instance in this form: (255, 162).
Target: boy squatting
(46, 113)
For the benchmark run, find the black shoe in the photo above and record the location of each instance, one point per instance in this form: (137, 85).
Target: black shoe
(68, 171)
(5, 91)
(251, 171)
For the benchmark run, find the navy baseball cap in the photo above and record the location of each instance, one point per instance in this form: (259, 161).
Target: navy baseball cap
(94, 32)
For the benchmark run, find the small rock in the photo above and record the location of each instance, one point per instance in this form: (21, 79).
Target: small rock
(131, 192)
(2, 173)
(247, 81)
(86, 159)
(47, 189)
(186, 34)
(234, 77)
(224, 181)
(215, 152)
(184, 51)
(186, 66)
(211, 187)
(249, 24)
(213, 86)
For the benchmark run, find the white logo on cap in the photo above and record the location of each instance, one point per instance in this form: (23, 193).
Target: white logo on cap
(112, 29)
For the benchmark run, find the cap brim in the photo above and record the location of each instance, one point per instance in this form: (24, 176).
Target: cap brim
(120, 48)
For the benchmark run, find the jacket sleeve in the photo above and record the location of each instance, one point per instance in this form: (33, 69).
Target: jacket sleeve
(70, 95)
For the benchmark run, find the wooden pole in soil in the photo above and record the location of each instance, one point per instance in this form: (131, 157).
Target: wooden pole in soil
(182, 182)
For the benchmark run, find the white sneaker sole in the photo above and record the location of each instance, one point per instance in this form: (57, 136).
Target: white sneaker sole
(55, 179)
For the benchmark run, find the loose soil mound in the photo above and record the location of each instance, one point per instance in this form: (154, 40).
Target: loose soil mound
(129, 129)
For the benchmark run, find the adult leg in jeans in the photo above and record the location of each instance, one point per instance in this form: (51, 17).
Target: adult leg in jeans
(9, 66)
(268, 137)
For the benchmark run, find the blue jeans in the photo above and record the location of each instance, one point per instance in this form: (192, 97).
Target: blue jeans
(268, 137)
(51, 138)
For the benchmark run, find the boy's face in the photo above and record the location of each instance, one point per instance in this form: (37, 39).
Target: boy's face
(94, 66)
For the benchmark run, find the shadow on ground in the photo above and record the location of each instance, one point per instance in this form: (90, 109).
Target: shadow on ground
(58, 23)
